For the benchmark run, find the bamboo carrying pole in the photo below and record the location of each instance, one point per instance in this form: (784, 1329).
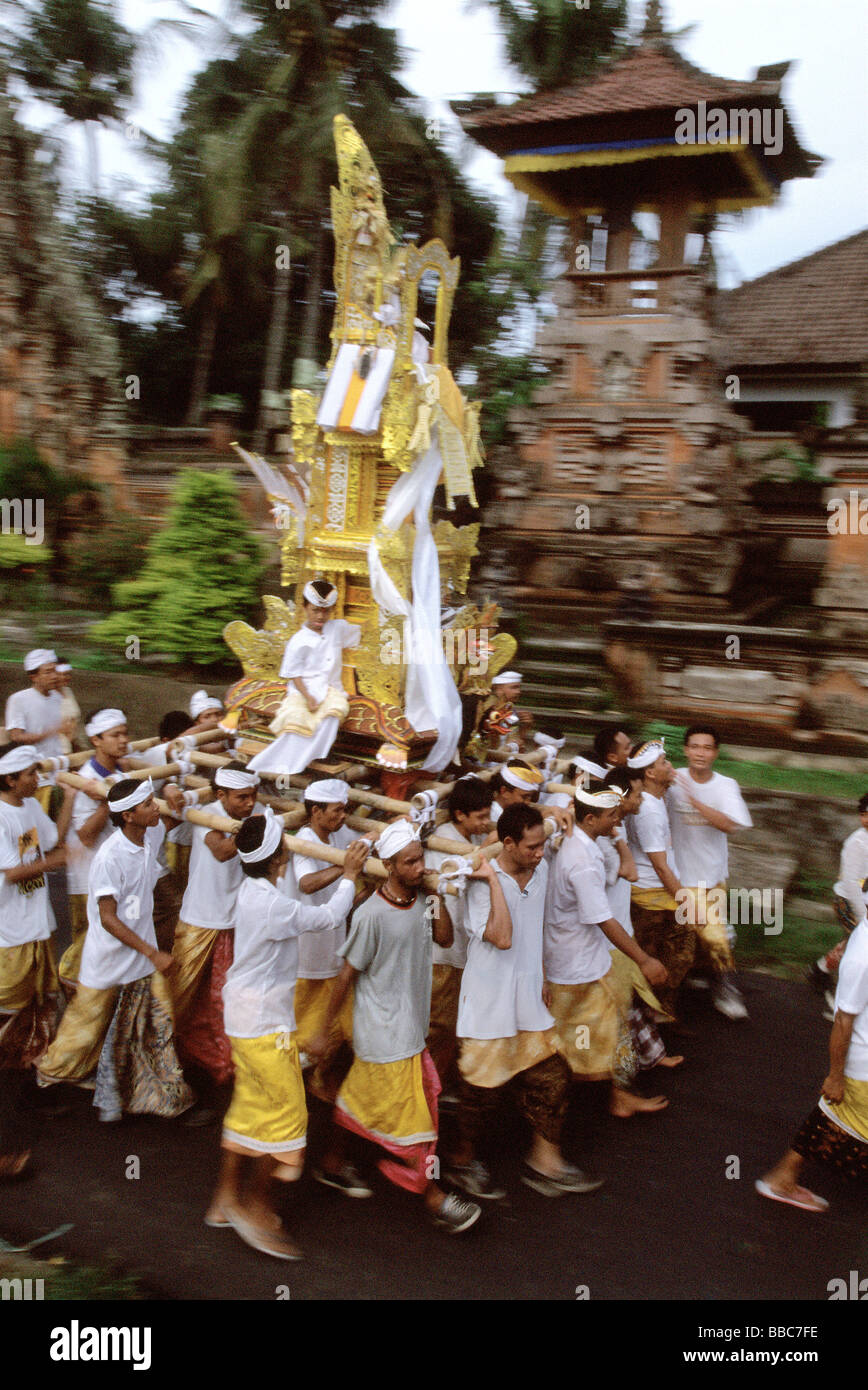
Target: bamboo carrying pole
(79, 759)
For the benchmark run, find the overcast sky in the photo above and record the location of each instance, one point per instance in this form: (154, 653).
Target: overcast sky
(453, 48)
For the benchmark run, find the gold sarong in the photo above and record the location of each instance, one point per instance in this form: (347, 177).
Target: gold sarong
(490, 1062)
(70, 961)
(29, 1002)
(294, 717)
(712, 940)
(191, 951)
(75, 1051)
(589, 1022)
(627, 979)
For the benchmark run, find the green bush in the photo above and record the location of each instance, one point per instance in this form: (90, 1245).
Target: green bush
(203, 569)
(98, 559)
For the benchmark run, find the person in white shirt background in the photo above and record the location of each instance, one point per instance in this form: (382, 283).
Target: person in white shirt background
(704, 808)
(851, 901)
(35, 716)
(29, 989)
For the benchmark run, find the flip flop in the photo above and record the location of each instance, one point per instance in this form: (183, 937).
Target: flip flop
(216, 1219)
(816, 1204)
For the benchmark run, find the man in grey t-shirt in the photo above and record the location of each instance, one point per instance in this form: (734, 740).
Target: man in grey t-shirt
(390, 1094)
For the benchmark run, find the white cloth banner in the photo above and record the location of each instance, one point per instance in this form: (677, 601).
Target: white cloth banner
(431, 698)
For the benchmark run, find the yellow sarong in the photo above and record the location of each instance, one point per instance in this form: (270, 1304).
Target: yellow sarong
(851, 1112)
(311, 1003)
(27, 973)
(294, 717)
(387, 1100)
(75, 1051)
(626, 979)
(268, 1113)
(70, 961)
(712, 939)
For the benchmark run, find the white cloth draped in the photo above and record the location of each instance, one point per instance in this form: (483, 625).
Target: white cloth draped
(431, 698)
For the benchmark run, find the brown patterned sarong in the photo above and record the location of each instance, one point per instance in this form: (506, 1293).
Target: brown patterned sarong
(658, 933)
(30, 1002)
(821, 1139)
(441, 1042)
(541, 1093)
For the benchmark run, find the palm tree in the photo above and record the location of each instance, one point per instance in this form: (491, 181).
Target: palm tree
(554, 42)
(76, 56)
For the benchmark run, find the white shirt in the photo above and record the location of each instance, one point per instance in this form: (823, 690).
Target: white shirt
(79, 857)
(318, 957)
(501, 991)
(35, 713)
(212, 885)
(25, 910)
(575, 951)
(317, 658)
(853, 871)
(456, 954)
(701, 851)
(127, 873)
(648, 832)
(259, 993)
(851, 997)
(617, 888)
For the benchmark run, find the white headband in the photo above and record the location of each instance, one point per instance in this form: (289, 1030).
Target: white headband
(202, 701)
(40, 656)
(506, 678)
(594, 769)
(647, 754)
(133, 799)
(63, 667)
(395, 838)
(605, 800)
(271, 837)
(546, 741)
(235, 779)
(104, 720)
(19, 759)
(310, 594)
(526, 779)
(327, 791)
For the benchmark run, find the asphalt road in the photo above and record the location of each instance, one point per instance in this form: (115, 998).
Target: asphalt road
(669, 1223)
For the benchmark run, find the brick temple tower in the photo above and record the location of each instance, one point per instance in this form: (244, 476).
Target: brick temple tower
(624, 473)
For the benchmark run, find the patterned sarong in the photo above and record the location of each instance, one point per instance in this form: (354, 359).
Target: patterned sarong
(394, 1105)
(713, 947)
(673, 944)
(30, 1002)
(837, 1134)
(441, 1041)
(593, 1031)
(138, 1072)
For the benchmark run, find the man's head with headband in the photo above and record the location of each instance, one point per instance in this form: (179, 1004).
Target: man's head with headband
(517, 781)
(597, 812)
(131, 804)
(236, 789)
(325, 802)
(650, 759)
(319, 598)
(400, 849)
(107, 731)
(260, 845)
(19, 769)
(206, 709)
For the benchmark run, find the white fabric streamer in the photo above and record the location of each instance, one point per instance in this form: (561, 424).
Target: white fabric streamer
(423, 809)
(431, 699)
(457, 875)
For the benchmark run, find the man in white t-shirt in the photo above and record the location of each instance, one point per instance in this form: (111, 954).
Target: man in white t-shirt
(87, 816)
(507, 1033)
(469, 807)
(589, 1001)
(704, 808)
(29, 990)
(204, 937)
(654, 895)
(35, 716)
(319, 961)
(850, 899)
(120, 1020)
(836, 1131)
(307, 722)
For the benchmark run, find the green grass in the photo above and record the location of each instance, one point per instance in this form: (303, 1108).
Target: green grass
(762, 777)
(66, 1280)
(788, 954)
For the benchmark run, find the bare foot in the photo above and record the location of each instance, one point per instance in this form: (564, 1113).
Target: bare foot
(667, 1060)
(623, 1104)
